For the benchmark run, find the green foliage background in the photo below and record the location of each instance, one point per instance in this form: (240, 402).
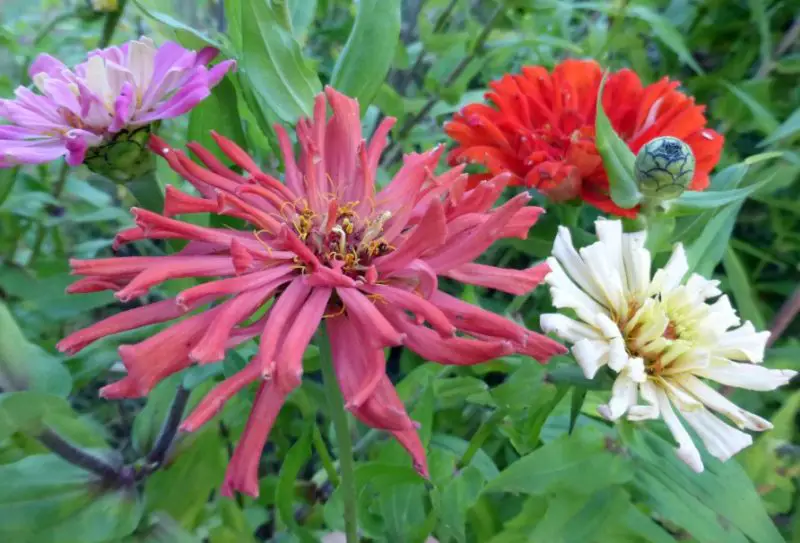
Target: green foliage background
(516, 451)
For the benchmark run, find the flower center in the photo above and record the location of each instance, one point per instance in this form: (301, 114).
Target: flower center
(341, 235)
(651, 335)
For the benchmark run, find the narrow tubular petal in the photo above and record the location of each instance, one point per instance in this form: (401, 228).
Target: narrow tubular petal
(517, 282)
(429, 233)
(286, 306)
(380, 331)
(456, 351)
(474, 320)
(224, 287)
(359, 367)
(721, 440)
(384, 409)
(211, 347)
(746, 376)
(289, 369)
(122, 322)
(410, 301)
(687, 451)
(719, 403)
(242, 474)
(174, 268)
(215, 400)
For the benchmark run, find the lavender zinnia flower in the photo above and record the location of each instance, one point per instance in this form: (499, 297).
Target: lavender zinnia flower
(116, 91)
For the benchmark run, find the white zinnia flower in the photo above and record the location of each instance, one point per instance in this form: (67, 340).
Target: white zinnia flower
(660, 336)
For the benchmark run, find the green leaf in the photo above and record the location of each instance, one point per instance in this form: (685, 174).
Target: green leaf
(161, 529)
(758, 12)
(44, 498)
(271, 62)
(694, 202)
(580, 464)
(365, 60)
(219, 112)
(26, 366)
(705, 252)
(765, 121)
(285, 496)
(402, 511)
(743, 292)
(788, 129)
(457, 496)
(667, 33)
(180, 32)
(618, 160)
(719, 504)
(8, 177)
(182, 487)
(301, 13)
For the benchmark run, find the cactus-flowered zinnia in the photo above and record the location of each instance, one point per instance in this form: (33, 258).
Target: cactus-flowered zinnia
(661, 337)
(540, 127)
(117, 90)
(325, 247)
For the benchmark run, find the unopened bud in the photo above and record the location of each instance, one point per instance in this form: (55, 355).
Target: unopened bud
(664, 168)
(123, 158)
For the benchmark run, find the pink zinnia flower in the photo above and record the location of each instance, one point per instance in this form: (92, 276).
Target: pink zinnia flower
(325, 247)
(116, 89)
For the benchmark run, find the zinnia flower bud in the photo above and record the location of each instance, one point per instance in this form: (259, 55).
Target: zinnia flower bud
(664, 168)
(123, 158)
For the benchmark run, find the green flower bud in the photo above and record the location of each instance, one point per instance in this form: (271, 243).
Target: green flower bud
(123, 158)
(664, 168)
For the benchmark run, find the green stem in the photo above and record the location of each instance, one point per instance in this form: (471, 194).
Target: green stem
(147, 191)
(110, 25)
(339, 418)
(56, 191)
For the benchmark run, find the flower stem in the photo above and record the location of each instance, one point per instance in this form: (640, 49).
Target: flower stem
(110, 25)
(339, 418)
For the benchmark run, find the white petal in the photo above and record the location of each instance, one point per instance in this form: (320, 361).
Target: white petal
(637, 264)
(669, 277)
(618, 354)
(745, 375)
(623, 396)
(567, 329)
(720, 317)
(721, 404)
(141, 63)
(682, 399)
(565, 293)
(606, 278)
(635, 370)
(688, 361)
(609, 232)
(742, 343)
(686, 448)
(97, 78)
(647, 391)
(701, 288)
(574, 265)
(591, 355)
(721, 440)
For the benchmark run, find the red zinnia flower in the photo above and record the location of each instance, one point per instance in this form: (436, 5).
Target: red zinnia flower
(542, 129)
(324, 246)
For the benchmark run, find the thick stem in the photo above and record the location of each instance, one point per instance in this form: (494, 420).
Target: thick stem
(170, 427)
(78, 457)
(110, 25)
(338, 416)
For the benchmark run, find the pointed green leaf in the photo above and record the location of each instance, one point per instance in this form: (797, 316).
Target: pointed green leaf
(580, 463)
(618, 160)
(368, 53)
(271, 62)
(26, 366)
